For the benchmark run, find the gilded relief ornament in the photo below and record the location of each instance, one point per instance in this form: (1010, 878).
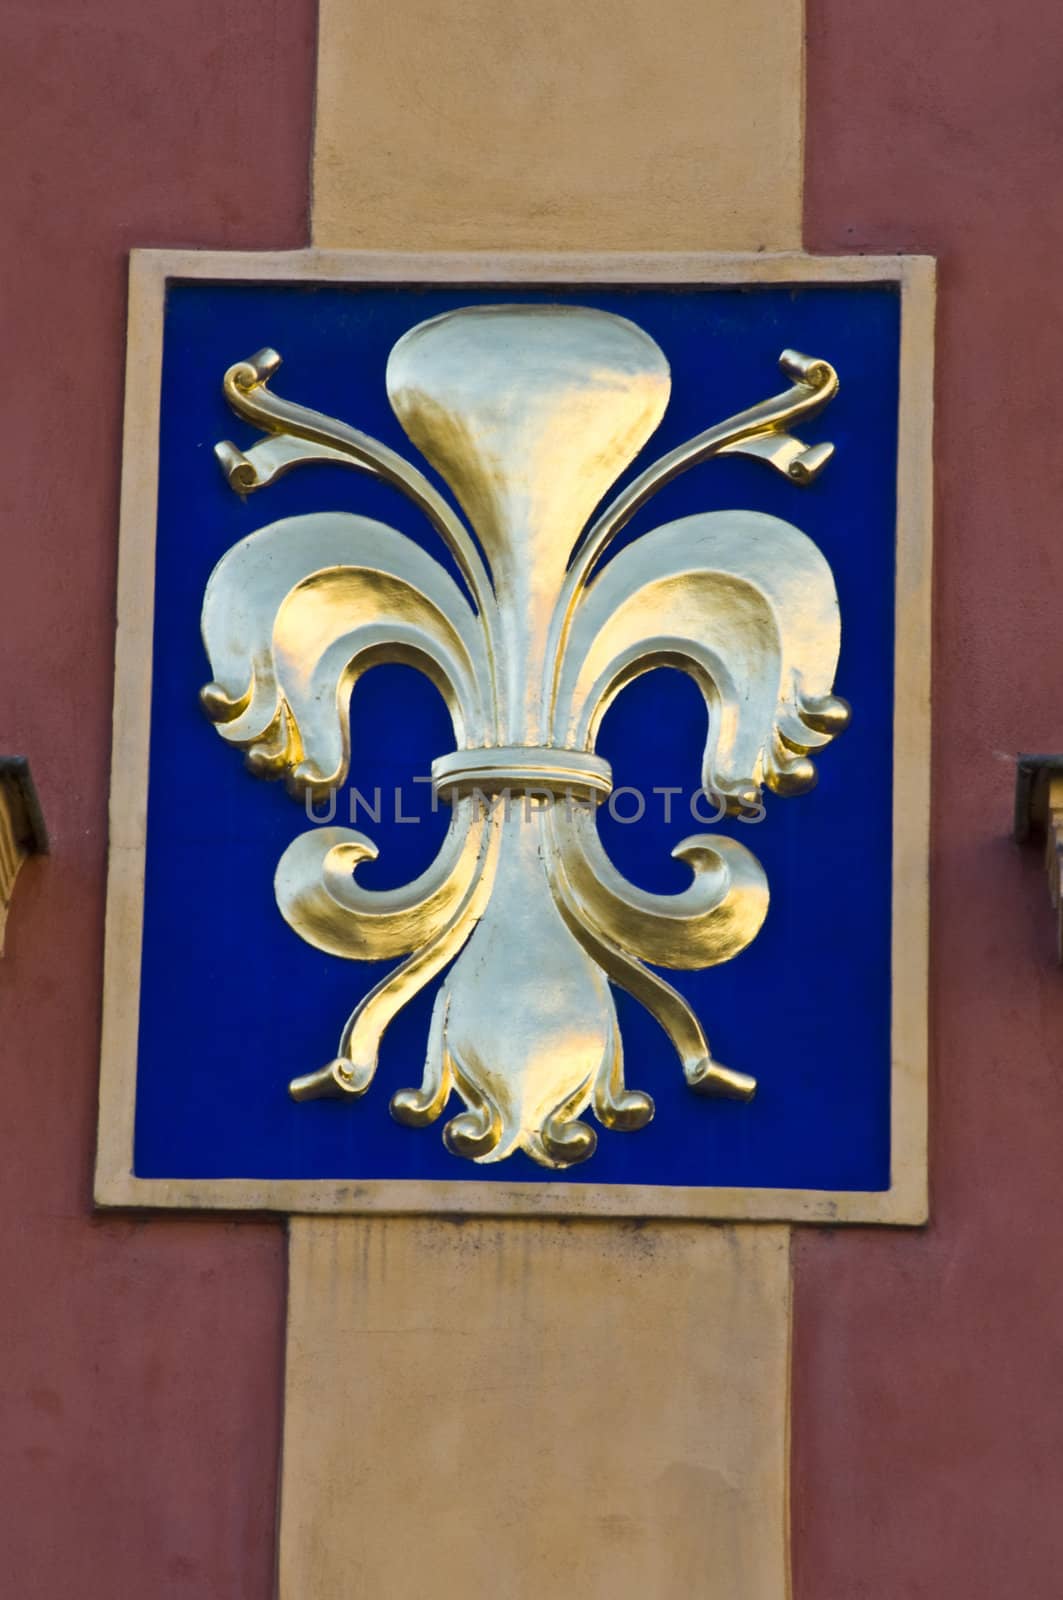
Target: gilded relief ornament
(530, 414)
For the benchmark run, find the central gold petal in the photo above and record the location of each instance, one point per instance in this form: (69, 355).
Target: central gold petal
(530, 413)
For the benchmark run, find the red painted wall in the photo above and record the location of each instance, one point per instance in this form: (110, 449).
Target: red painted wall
(928, 1423)
(140, 1358)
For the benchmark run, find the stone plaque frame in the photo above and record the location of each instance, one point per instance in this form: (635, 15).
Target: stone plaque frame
(905, 1200)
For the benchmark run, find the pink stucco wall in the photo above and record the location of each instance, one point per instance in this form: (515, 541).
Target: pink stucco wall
(927, 1427)
(140, 1358)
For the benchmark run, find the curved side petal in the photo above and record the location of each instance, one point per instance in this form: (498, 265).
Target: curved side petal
(337, 624)
(743, 602)
(321, 901)
(438, 941)
(294, 603)
(702, 1073)
(710, 922)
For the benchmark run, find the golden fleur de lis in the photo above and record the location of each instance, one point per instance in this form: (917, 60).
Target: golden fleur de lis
(530, 414)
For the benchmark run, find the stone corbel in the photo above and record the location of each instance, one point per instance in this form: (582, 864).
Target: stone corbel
(1039, 817)
(22, 830)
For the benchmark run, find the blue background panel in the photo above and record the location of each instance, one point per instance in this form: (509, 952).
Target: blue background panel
(233, 1004)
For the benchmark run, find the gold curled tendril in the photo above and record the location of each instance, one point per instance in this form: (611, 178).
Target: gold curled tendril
(761, 431)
